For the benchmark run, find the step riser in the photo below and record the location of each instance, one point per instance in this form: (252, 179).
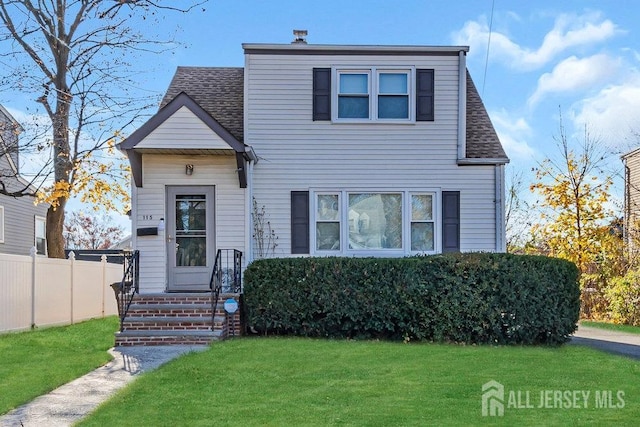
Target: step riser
(171, 312)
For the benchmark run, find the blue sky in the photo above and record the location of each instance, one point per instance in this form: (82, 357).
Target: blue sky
(580, 56)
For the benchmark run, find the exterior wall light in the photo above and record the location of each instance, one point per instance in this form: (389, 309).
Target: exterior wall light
(189, 169)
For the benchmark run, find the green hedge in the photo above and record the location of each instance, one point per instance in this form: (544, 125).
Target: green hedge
(467, 298)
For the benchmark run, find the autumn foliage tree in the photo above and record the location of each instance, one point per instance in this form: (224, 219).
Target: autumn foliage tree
(76, 59)
(574, 193)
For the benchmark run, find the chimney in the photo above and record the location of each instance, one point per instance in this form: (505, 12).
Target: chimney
(300, 37)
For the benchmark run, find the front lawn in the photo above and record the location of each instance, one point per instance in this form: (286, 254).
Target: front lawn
(612, 327)
(297, 381)
(35, 362)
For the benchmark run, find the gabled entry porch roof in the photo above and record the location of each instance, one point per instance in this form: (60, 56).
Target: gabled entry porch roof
(218, 141)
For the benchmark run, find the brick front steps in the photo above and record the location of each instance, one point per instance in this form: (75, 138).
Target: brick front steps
(177, 318)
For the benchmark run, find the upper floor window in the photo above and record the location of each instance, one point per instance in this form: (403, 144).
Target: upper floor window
(353, 96)
(393, 95)
(374, 94)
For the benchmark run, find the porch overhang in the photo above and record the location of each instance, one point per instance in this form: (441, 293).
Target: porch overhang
(134, 149)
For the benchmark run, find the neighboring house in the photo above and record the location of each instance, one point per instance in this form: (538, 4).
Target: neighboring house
(22, 224)
(351, 150)
(631, 162)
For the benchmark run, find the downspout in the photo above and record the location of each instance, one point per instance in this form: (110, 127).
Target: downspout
(248, 213)
(501, 244)
(462, 104)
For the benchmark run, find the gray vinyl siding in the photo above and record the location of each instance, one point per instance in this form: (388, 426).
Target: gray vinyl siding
(161, 170)
(19, 218)
(183, 130)
(299, 154)
(632, 202)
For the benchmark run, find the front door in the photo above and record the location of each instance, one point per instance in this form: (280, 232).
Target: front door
(190, 237)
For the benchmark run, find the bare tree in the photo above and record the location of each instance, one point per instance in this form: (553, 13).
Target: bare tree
(517, 212)
(76, 59)
(82, 231)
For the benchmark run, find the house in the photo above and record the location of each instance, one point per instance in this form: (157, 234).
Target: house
(22, 224)
(631, 161)
(344, 151)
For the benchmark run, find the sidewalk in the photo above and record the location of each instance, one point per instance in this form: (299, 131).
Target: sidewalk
(615, 342)
(73, 401)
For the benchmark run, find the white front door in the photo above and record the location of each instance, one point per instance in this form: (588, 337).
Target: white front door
(190, 237)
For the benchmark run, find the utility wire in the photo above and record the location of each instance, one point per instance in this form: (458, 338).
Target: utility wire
(486, 61)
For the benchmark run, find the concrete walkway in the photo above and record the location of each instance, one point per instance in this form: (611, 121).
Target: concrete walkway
(73, 401)
(615, 342)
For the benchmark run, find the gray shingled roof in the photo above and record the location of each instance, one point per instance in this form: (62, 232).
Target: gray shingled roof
(219, 91)
(482, 139)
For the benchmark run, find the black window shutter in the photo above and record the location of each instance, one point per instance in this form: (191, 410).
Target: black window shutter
(450, 221)
(299, 222)
(424, 95)
(322, 94)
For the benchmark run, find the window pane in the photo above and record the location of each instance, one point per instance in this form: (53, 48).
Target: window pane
(393, 107)
(327, 207)
(40, 228)
(192, 252)
(393, 83)
(353, 107)
(422, 236)
(421, 207)
(191, 215)
(354, 83)
(328, 236)
(375, 221)
(41, 246)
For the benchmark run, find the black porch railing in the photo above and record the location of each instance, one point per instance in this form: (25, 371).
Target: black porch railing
(129, 285)
(225, 277)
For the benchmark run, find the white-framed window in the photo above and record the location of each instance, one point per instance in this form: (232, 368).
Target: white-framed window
(422, 223)
(327, 229)
(1, 224)
(374, 94)
(40, 240)
(350, 222)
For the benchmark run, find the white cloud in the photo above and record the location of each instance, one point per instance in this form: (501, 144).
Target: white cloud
(574, 74)
(568, 31)
(513, 134)
(614, 113)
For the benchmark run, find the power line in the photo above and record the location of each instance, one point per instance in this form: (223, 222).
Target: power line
(486, 61)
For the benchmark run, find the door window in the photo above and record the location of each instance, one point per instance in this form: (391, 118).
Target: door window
(191, 230)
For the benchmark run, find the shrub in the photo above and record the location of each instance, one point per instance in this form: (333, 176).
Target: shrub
(470, 298)
(623, 294)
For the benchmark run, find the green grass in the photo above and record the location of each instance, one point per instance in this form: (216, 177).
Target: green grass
(302, 382)
(35, 362)
(612, 327)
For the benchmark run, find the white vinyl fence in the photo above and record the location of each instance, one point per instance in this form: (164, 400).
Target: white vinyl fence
(40, 291)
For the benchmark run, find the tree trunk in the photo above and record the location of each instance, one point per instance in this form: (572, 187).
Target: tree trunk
(55, 221)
